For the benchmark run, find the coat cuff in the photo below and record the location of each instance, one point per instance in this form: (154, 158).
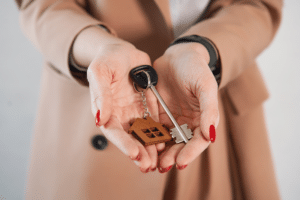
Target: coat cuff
(80, 72)
(74, 73)
(53, 27)
(240, 32)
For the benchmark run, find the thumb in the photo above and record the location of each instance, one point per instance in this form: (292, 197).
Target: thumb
(209, 118)
(101, 96)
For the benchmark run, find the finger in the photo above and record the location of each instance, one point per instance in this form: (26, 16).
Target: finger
(209, 118)
(160, 146)
(191, 150)
(168, 158)
(114, 132)
(101, 97)
(152, 152)
(145, 160)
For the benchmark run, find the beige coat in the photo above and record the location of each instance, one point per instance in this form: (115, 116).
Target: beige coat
(64, 165)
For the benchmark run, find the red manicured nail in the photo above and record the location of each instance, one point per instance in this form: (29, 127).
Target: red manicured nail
(163, 170)
(97, 118)
(167, 169)
(138, 158)
(212, 133)
(146, 171)
(181, 167)
(153, 169)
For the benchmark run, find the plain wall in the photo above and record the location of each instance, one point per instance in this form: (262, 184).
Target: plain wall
(20, 65)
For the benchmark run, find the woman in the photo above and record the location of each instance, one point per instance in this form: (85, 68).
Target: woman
(112, 37)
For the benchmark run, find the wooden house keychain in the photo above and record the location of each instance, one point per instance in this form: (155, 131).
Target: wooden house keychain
(146, 130)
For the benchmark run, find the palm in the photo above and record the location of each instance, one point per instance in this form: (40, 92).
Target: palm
(113, 94)
(189, 90)
(184, 107)
(126, 103)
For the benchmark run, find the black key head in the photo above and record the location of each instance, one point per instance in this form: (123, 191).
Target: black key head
(139, 76)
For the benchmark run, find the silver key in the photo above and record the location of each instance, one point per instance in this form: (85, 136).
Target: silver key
(176, 132)
(150, 82)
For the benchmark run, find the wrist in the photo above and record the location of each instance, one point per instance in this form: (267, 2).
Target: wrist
(86, 45)
(187, 49)
(201, 50)
(214, 62)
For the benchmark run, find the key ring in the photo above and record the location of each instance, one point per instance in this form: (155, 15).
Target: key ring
(149, 81)
(146, 112)
(181, 133)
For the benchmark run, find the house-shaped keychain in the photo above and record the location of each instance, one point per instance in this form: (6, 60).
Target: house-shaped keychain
(149, 132)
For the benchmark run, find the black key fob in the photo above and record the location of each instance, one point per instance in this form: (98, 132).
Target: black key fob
(139, 76)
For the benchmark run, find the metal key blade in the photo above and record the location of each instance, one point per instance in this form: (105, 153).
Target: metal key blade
(161, 101)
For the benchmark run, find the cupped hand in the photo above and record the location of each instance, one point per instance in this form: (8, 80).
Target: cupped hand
(189, 89)
(115, 101)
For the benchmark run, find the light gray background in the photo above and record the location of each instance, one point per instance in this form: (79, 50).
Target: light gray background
(20, 65)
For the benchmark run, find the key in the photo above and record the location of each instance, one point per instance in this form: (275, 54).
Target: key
(146, 77)
(175, 134)
(142, 79)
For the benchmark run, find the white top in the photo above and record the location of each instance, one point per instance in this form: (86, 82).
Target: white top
(184, 13)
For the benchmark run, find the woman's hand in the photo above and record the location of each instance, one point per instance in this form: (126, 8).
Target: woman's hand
(189, 89)
(115, 104)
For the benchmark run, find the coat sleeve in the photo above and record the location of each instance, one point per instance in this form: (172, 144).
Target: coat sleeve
(241, 30)
(52, 25)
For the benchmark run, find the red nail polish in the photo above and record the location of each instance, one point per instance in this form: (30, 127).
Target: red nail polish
(145, 171)
(167, 169)
(160, 170)
(212, 133)
(181, 167)
(138, 158)
(163, 170)
(153, 169)
(97, 118)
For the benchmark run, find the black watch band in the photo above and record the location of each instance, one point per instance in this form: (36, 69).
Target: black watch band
(214, 63)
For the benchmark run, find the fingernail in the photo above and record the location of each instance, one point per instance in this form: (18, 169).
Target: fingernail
(97, 118)
(212, 133)
(164, 170)
(138, 158)
(146, 171)
(181, 167)
(153, 169)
